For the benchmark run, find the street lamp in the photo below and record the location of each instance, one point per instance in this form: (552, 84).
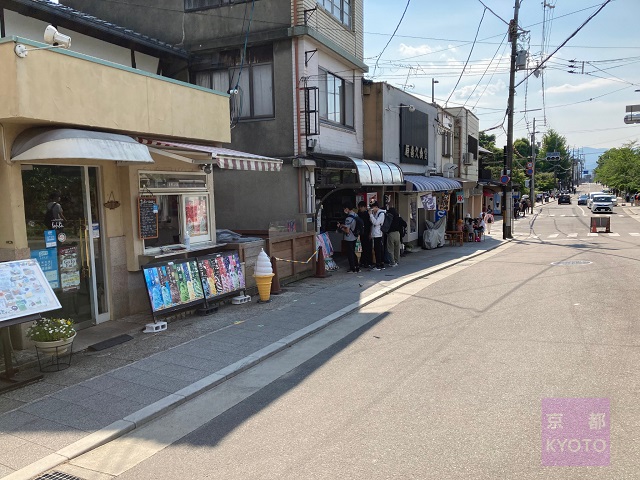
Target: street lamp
(433, 82)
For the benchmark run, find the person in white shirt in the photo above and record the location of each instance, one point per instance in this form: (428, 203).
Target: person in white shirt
(377, 219)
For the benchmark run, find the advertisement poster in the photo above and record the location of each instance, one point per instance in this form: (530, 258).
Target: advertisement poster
(47, 258)
(173, 284)
(68, 262)
(196, 215)
(428, 201)
(24, 290)
(50, 239)
(221, 274)
(444, 201)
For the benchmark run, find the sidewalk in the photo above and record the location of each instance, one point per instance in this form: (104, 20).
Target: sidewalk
(108, 393)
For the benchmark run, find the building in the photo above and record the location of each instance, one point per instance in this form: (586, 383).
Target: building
(71, 122)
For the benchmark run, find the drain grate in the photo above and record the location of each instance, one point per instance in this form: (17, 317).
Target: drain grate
(568, 263)
(57, 476)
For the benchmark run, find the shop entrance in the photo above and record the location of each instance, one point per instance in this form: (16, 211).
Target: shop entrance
(65, 233)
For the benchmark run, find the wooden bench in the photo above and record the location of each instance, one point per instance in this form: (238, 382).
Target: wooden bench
(454, 236)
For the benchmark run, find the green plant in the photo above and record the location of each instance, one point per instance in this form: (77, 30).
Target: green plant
(51, 329)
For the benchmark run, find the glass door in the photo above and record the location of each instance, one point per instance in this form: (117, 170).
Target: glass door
(64, 233)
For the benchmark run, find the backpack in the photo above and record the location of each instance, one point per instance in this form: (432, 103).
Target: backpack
(48, 217)
(403, 227)
(358, 228)
(386, 225)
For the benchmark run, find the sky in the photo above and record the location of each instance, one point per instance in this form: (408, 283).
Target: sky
(435, 38)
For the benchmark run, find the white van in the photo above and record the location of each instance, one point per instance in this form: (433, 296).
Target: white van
(591, 195)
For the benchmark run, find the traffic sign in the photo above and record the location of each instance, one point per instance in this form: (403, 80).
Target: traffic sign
(529, 164)
(529, 171)
(504, 179)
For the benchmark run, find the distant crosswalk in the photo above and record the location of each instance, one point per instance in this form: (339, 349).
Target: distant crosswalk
(576, 235)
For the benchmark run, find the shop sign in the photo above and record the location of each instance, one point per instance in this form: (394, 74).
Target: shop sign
(47, 258)
(428, 201)
(50, 239)
(24, 290)
(69, 268)
(460, 196)
(414, 128)
(411, 151)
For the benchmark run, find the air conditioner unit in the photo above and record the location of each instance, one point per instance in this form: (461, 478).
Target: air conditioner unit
(467, 158)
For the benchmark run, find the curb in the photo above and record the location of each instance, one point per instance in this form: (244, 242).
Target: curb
(164, 405)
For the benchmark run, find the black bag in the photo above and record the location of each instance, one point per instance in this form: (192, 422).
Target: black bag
(48, 217)
(386, 225)
(358, 228)
(403, 227)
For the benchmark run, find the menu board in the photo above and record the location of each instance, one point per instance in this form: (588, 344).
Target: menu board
(221, 273)
(173, 284)
(147, 217)
(24, 290)
(69, 268)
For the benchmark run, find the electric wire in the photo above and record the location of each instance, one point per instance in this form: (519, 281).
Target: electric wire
(391, 38)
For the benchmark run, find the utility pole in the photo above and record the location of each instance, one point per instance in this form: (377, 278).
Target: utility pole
(508, 201)
(532, 183)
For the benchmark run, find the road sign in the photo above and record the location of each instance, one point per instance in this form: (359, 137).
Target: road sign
(529, 164)
(504, 179)
(529, 171)
(633, 108)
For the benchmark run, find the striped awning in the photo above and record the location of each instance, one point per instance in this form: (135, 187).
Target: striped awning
(222, 157)
(420, 183)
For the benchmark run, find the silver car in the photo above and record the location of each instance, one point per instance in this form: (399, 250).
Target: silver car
(602, 204)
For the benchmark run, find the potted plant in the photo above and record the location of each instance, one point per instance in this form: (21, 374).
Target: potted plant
(52, 336)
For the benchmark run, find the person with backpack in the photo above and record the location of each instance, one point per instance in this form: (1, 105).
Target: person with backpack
(351, 229)
(393, 236)
(54, 217)
(366, 259)
(377, 216)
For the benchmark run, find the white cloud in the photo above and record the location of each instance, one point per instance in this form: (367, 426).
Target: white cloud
(411, 51)
(581, 87)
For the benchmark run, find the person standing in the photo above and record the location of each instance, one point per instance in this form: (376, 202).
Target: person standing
(393, 238)
(366, 259)
(376, 215)
(348, 228)
(54, 217)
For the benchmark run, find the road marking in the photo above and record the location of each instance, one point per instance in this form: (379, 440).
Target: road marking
(572, 235)
(592, 234)
(614, 234)
(555, 235)
(635, 234)
(552, 214)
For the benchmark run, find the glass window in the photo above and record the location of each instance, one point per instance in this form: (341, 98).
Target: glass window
(339, 9)
(336, 99)
(253, 77)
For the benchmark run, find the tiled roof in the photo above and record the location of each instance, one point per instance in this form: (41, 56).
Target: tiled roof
(91, 25)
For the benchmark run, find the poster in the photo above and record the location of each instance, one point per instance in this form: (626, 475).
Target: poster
(196, 215)
(69, 268)
(174, 284)
(444, 201)
(24, 290)
(50, 239)
(47, 258)
(221, 274)
(428, 201)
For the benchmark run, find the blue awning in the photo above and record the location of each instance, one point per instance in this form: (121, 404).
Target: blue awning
(420, 183)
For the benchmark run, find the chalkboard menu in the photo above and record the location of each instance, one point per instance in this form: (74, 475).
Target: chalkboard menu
(147, 217)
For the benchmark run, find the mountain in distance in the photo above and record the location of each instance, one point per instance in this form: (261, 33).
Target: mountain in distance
(591, 156)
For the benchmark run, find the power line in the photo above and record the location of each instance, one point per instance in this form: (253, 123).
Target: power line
(391, 38)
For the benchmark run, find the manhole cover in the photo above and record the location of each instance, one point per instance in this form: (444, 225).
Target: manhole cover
(571, 262)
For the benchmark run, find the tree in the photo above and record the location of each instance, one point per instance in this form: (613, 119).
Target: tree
(619, 168)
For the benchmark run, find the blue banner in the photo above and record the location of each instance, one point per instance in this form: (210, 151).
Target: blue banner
(48, 260)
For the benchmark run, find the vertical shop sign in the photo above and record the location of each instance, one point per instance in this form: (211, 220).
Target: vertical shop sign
(47, 258)
(50, 239)
(69, 268)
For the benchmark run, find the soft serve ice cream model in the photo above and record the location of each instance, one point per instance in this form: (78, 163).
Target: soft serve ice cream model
(263, 274)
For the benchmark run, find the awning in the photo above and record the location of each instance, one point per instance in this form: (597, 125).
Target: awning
(370, 172)
(420, 183)
(483, 150)
(58, 143)
(222, 157)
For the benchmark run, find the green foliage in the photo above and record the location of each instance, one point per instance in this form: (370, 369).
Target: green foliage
(619, 168)
(545, 182)
(51, 329)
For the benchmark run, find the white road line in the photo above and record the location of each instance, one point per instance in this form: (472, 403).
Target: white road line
(592, 234)
(554, 235)
(614, 234)
(572, 235)
(635, 234)
(552, 214)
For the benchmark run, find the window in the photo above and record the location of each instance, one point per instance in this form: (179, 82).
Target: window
(340, 9)
(190, 5)
(253, 78)
(336, 99)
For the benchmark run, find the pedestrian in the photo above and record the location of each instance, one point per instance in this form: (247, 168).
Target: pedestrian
(376, 215)
(523, 208)
(478, 228)
(366, 259)
(54, 217)
(348, 230)
(394, 238)
(627, 197)
(516, 209)
(488, 220)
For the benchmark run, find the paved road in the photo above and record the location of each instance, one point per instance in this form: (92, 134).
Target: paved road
(442, 379)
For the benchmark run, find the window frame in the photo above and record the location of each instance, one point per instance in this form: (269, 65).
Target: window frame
(342, 90)
(339, 12)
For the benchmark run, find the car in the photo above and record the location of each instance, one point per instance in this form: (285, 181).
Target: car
(614, 200)
(564, 199)
(601, 204)
(582, 199)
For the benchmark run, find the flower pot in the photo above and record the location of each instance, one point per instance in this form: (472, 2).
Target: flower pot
(56, 347)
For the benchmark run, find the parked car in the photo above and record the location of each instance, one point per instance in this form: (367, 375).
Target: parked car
(601, 204)
(582, 199)
(564, 199)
